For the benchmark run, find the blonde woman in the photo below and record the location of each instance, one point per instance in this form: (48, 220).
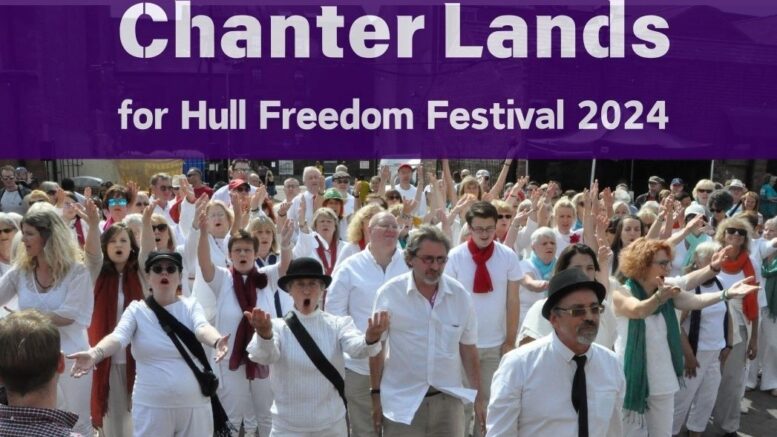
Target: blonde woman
(564, 214)
(263, 229)
(358, 237)
(701, 193)
(48, 276)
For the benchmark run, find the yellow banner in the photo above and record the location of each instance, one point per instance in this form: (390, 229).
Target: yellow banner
(140, 171)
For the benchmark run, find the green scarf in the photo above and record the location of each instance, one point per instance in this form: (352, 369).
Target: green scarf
(769, 272)
(635, 365)
(693, 241)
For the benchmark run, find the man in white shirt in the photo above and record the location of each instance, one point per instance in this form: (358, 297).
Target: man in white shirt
(408, 191)
(313, 181)
(238, 169)
(12, 193)
(490, 271)
(561, 384)
(352, 293)
(417, 386)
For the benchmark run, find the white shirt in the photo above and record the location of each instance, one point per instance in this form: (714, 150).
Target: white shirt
(307, 246)
(711, 329)
(564, 240)
(304, 400)
(12, 202)
(352, 292)
(71, 297)
(293, 212)
(423, 344)
(222, 194)
(532, 388)
(163, 379)
(410, 195)
(491, 307)
(528, 297)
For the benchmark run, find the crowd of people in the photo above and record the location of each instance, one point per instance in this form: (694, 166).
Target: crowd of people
(417, 302)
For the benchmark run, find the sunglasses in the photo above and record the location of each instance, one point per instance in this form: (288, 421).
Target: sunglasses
(594, 310)
(732, 231)
(141, 204)
(505, 216)
(700, 190)
(160, 227)
(117, 202)
(716, 210)
(164, 188)
(393, 197)
(342, 180)
(169, 269)
(242, 189)
(7, 231)
(9, 178)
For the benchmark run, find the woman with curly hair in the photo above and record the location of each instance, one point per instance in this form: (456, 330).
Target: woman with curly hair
(48, 276)
(358, 237)
(647, 328)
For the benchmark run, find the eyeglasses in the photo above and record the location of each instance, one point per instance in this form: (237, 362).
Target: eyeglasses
(9, 178)
(117, 202)
(594, 310)
(716, 210)
(7, 231)
(393, 197)
(479, 230)
(741, 232)
(141, 204)
(242, 189)
(701, 190)
(164, 188)
(342, 180)
(158, 269)
(160, 227)
(428, 259)
(690, 217)
(505, 216)
(663, 263)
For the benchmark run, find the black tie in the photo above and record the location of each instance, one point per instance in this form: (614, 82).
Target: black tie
(579, 397)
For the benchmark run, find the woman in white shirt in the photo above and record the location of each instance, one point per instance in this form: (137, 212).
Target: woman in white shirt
(48, 276)
(322, 244)
(648, 340)
(705, 342)
(166, 399)
(9, 226)
(564, 217)
(306, 403)
(537, 269)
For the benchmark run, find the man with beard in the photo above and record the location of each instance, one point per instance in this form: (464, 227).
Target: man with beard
(417, 387)
(548, 387)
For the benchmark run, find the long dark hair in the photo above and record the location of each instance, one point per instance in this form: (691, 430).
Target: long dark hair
(562, 263)
(617, 243)
(132, 261)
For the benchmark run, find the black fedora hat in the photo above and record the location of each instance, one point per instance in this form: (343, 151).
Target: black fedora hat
(567, 281)
(155, 257)
(304, 268)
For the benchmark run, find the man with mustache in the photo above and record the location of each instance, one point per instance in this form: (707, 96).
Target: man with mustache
(417, 387)
(563, 383)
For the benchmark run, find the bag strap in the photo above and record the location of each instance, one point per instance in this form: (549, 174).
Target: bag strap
(316, 356)
(278, 310)
(162, 315)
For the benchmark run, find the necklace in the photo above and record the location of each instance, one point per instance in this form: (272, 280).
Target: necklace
(38, 283)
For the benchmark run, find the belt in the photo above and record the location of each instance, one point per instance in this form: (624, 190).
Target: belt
(432, 392)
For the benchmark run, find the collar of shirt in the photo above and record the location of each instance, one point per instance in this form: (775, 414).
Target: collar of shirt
(442, 286)
(313, 315)
(32, 415)
(394, 257)
(560, 348)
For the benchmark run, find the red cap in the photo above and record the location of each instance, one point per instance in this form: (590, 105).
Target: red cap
(405, 165)
(234, 183)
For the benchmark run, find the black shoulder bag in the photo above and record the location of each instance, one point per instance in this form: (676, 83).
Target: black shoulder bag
(208, 381)
(316, 356)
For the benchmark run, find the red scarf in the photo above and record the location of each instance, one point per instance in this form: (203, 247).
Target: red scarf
(79, 232)
(480, 257)
(245, 291)
(108, 224)
(362, 244)
(106, 291)
(742, 264)
(328, 265)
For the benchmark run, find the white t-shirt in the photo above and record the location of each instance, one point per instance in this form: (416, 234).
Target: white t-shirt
(490, 308)
(711, 329)
(410, 195)
(12, 202)
(528, 297)
(163, 379)
(564, 240)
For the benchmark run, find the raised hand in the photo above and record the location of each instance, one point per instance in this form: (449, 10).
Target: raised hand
(665, 291)
(376, 326)
(287, 231)
(222, 347)
(742, 288)
(260, 321)
(92, 213)
(720, 256)
(283, 209)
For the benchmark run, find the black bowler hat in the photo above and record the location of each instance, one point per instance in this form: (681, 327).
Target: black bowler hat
(304, 268)
(567, 281)
(155, 257)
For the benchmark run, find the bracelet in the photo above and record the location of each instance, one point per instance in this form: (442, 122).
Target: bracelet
(216, 343)
(374, 391)
(714, 270)
(724, 295)
(100, 353)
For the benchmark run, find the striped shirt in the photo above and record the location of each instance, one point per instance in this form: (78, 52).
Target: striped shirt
(36, 422)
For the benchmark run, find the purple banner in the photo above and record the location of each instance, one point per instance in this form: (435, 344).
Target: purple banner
(555, 80)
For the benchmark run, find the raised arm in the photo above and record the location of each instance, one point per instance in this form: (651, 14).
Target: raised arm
(500, 181)
(203, 246)
(450, 186)
(630, 307)
(92, 246)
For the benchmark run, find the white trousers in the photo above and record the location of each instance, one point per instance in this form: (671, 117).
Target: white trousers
(339, 429)
(75, 395)
(658, 418)
(245, 401)
(697, 399)
(118, 419)
(732, 386)
(767, 351)
(172, 422)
